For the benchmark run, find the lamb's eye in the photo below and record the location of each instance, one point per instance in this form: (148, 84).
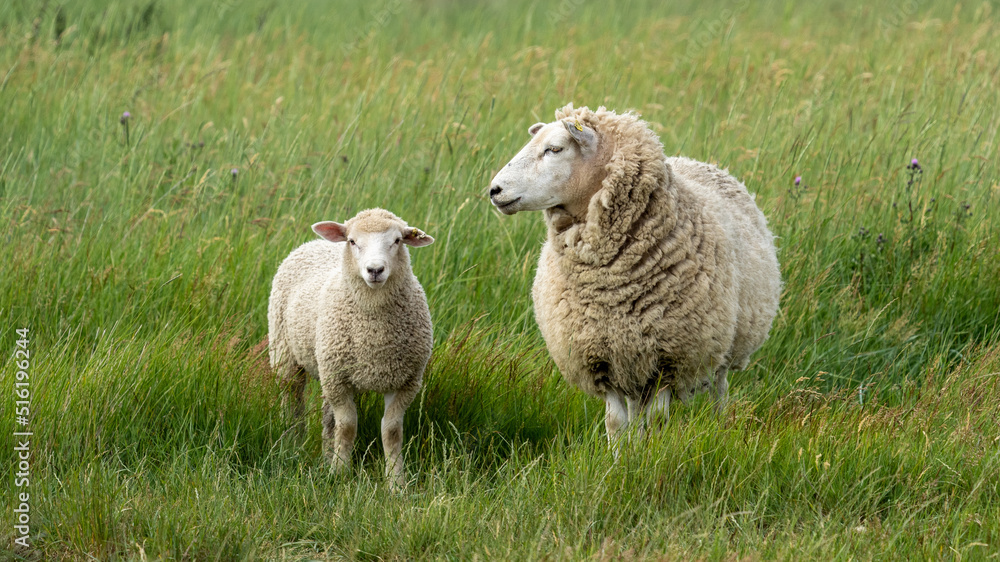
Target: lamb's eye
(351, 242)
(554, 149)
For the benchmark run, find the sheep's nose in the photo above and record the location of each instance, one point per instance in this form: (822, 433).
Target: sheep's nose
(495, 190)
(376, 271)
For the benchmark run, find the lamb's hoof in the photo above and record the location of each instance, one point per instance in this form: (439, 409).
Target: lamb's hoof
(397, 482)
(338, 465)
(721, 411)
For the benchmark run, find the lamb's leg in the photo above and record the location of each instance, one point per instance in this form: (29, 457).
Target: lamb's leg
(721, 388)
(635, 408)
(396, 404)
(293, 381)
(340, 427)
(658, 409)
(615, 417)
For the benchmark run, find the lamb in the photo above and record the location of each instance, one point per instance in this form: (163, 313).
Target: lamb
(354, 316)
(658, 276)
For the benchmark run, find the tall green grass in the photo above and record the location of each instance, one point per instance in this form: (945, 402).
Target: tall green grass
(865, 428)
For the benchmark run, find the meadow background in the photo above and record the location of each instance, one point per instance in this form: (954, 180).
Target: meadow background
(867, 427)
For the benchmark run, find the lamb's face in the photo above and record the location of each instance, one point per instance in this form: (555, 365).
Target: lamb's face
(546, 172)
(375, 244)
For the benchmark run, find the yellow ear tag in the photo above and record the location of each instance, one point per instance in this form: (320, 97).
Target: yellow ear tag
(414, 234)
(579, 127)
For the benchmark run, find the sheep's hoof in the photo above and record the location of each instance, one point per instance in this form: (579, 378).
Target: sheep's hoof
(397, 485)
(396, 480)
(337, 463)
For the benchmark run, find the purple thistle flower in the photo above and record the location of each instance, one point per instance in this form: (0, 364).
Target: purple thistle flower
(234, 171)
(124, 122)
(798, 180)
(915, 172)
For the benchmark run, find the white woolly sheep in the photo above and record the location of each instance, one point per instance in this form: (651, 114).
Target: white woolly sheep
(349, 311)
(659, 275)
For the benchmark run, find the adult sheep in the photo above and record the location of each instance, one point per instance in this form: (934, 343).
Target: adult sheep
(659, 275)
(349, 311)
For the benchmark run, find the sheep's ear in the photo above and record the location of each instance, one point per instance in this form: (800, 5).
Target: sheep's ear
(416, 238)
(532, 130)
(332, 231)
(583, 135)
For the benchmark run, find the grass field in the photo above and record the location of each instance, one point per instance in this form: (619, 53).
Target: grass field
(868, 426)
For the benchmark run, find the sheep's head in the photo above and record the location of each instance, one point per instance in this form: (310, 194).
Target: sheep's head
(562, 166)
(375, 240)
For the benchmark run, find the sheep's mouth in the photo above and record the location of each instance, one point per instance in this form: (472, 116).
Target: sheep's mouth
(506, 208)
(375, 282)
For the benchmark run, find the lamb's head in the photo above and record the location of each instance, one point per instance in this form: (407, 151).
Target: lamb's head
(375, 240)
(562, 166)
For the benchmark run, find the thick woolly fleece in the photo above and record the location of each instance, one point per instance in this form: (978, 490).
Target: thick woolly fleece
(325, 319)
(672, 275)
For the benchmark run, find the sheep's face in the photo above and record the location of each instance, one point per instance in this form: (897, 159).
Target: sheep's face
(375, 243)
(554, 169)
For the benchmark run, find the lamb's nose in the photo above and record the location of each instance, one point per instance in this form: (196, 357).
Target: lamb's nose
(495, 190)
(376, 271)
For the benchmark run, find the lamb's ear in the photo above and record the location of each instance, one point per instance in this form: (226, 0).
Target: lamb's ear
(416, 238)
(332, 231)
(583, 135)
(535, 128)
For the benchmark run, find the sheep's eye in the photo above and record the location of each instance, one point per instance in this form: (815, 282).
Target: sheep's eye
(397, 241)
(554, 149)
(351, 242)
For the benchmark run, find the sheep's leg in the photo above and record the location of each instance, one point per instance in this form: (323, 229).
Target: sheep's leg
(658, 409)
(721, 388)
(635, 408)
(396, 404)
(340, 427)
(615, 417)
(293, 382)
